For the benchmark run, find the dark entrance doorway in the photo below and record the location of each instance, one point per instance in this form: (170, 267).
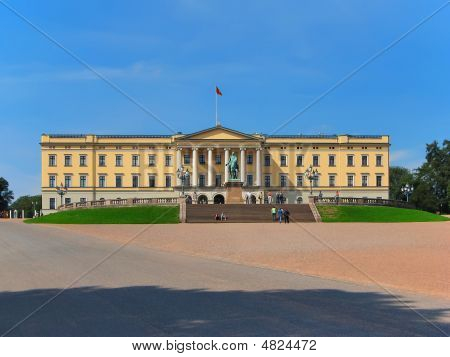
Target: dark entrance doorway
(219, 199)
(202, 200)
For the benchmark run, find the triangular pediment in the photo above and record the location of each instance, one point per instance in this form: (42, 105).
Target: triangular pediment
(218, 133)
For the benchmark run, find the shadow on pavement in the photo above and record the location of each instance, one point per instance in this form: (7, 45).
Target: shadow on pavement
(156, 311)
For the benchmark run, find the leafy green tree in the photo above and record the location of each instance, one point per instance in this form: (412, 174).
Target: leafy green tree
(431, 191)
(398, 177)
(6, 195)
(28, 204)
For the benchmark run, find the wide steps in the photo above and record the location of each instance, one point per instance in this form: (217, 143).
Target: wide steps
(242, 213)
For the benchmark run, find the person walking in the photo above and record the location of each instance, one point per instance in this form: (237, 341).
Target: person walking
(269, 198)
(280, 214)
(286, 214)
(274, 214)
(320, 195)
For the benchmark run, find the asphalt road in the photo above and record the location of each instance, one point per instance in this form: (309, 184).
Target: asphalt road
(143, 292)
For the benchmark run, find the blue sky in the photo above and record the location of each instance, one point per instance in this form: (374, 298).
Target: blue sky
(269, 58)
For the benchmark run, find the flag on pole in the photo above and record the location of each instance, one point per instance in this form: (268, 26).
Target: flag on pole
(218, 92)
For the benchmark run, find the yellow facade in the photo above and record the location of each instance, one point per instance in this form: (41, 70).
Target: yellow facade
(98, 167)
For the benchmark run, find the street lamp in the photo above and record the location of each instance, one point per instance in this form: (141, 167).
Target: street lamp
(61, 190)
(311, 174)
(183, 175)
(407, 190)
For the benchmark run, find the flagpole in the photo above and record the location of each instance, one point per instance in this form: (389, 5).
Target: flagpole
(217, 118)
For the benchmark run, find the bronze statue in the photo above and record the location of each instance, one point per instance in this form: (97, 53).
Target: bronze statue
(233, 166)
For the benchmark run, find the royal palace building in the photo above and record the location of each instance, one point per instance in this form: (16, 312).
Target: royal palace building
(101, 167)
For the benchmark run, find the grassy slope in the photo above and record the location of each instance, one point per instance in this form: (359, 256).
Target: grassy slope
(375, 214)
(122, 215)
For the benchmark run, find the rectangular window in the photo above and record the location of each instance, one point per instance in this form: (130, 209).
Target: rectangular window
(315, 160)
(267, 181)
(135, 160)
(364, 160)
(299, 180)
(52, 160)
(67, 160)
(168, 181)
(67, 200)
(118, 181)
(119, 159)
(151, 160)
(379, 160)
(168, 161)
(364, 180)
(68, 181)
(283, 180)
(201, 180)
(316, 181)
(332, 160)
(102, 181)
(249, 180)
(379, 180)
(82, 199)
(151, 181)
(101, 160)
(51, 181)
(201, 159)
(187, 159)
(52, 203)
(218, 159)
(283, 160)
(350, 180)
(83, 181)
(83, 161)
(218, 180)
(135, 181)
(266, 160)
(349, 160)
(250, 159)
(299, 160)
(332, 180)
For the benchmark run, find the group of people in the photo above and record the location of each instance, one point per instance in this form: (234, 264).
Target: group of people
(280, 214)
(221, 217)
(249, 198)
(279, 198)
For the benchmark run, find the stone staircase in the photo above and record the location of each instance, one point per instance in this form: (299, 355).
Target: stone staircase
(241, 213)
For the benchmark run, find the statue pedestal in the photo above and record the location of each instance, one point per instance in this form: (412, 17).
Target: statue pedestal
(234, 192)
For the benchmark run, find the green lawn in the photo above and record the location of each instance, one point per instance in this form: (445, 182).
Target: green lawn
(375, 214)
(121, 215)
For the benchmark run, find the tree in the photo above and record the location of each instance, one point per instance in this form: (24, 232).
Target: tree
(6, 195)
(398, 177)
(431, 191)
(25, 203)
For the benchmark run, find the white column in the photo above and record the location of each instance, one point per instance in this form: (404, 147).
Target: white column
(210, 167)
(10, 214)
(227, 157)
(242, 165)
(258, 167)
(194, 167)
(178, 165)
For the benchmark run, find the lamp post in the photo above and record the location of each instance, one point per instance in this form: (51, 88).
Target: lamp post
(34, 208)
(311, 174)
(183, 175)
(407, 190)
(61, 190)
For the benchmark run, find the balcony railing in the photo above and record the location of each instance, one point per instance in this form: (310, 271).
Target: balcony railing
(361, 201)
(126, 202)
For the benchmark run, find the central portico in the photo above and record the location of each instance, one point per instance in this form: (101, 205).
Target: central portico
(206, 154)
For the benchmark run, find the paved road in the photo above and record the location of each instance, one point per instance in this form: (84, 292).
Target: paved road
(143, 292)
